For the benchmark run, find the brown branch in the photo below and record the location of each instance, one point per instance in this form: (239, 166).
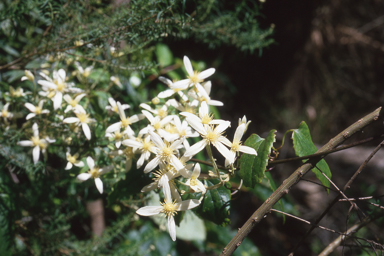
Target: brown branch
(284, 188)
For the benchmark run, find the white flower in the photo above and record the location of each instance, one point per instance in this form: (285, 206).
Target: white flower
(84, 72)
(19, 92)
(28, 76)
(117, 136)
(169, 208)
(5, 112)
(171, 91)
(36, 142)
(56, 87)
(194, 183)
(145, 146)
(72, 160)
(244, 121)
(125, 122)
(82, 118)
(161, 112)
(73, 104)
(116, 81)
(194, 77)
(211, 135)
(204, 116)
(128, 153)
(203, 94)
(236, 144)
(156, 123)
(95, 173)
(164, 152)
(114, 107)
(36, 110)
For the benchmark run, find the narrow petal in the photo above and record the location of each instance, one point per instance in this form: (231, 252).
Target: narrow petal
(99, 185)
(86, 130)
(224, 151)
(203, 110)
(70, 120)
(149, 187)
(239, 132)
(149, 210)
(25, 143)
(132, 143)
(35, 130)
(202, 91)
(196, 171)
(182, 84)
(83, 176)
(67, 98)
(166, 94)
(31, 107)
(248, 150)
(57, 99)
(188, 66)
(30, 115)
(36, 154)
(79, 164)
(196, 124)
(215, 103)
(152, 165)
(206, 73)
(114, 127)
(222, 127)
(196, 148)
(69, 166)
(47, 84)
(188, 204)
(172, 227)
(148, 115)
(90, 162)
(176, 163)
(157, 139)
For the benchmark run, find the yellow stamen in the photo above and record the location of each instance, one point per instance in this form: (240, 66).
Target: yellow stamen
(94, 172)
(195, 78)
(169, 208)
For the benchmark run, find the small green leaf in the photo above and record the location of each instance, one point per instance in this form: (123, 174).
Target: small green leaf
(303, 145)
(215, 205)
(261, 160)
(164, 55)
(102, 98)
(247, 161)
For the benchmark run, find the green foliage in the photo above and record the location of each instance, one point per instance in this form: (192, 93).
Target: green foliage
(252, 168)
(303, 145)
(7, 214)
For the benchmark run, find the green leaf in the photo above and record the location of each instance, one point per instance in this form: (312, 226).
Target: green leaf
(164, 55)
(253, 173)
(216, 204)
(303, 145)
(247, 161)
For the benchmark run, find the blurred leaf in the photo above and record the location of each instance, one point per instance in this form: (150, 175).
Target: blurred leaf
(191, 228)
(273, 186)
(216, 204)
(247, 161)
(102, 98)
(164, 55)
(303, 145)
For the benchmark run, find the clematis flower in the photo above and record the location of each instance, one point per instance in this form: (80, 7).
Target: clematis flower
(211, 135)
(145, 146)
(193, 182)
(73, 104)
(194, 77)
(82, 118)
(169, 208)
(36, 110)
(202, 94)
(236, 146)
(28, 76)
(204, 116)
(125, 121)
(5, 112)
(19, 92)
(37, 143)
(72, 161)
(114, 107)
(94, 172)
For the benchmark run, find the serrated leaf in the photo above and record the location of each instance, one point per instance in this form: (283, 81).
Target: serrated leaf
(246, 161)
(216, 204)
(303, 145)
(164, 55)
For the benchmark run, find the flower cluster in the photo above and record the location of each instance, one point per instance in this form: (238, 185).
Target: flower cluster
(164, 138)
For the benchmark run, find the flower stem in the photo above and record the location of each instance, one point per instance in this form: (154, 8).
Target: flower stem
(209, 151)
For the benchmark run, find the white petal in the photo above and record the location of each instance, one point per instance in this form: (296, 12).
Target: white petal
(247, 150)
(35, 130)
(90, 162)
(135, 118)
(196, 124)
(79, 164)
(114, 127)
(239, 132)
(57, 99)
(149, 210)
(176, 163)
(196, 148)
(148, 115)
(188, 204)
(157, 139)
(166, 94)
(222, 127)
(70, 120)
(86, 131)
(140, 161)
(25, 143)
(48, 84)
(132, 143)
(196, 171)
(79, 97)
(206, 73)
(203, 110)
(61, 74)
(99, 185)
(226, 141)
(202, 91)
(224, 151)
(152, 165)
(172, 227)
(83, 176)
(215, 103)
(67, 98)
(188, 66)
(31, 107)
(121, 111)
(30, 115)
(182, 84)
(69, 166)
(36, 154)
(149, 187)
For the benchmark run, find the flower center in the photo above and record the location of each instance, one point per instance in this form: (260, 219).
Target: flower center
(207, 118)
(4, 113)
(115, 109)
(157, 125)
(118, 135)
(95, 172)
(73, 103)
(169, 207)
(83, 117)
(162, 113)
(35, 140)
(195, 78)
(235, 146)
(211, 135)
(128, 152)
(166, 152)
(60, 86)
(147, 146)
(193, 181)
(71, 159)
(38, 110)
(125, 122)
